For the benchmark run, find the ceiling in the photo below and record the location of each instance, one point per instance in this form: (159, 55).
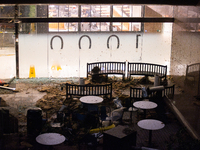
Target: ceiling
(162, 2)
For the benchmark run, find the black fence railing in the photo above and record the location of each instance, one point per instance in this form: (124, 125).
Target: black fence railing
(147, 69)
(107, 68)
(85, 90)
(136, 93)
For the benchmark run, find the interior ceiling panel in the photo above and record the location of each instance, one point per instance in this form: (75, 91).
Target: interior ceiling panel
(162, 2)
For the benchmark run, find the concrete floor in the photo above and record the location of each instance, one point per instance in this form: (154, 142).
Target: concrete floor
(185, 105)
(182, 105)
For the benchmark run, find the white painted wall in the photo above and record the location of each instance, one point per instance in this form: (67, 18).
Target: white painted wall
(8, 62)
(71, 61)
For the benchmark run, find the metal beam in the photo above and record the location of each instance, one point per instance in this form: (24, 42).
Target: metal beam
(39, 20)
(158, 2)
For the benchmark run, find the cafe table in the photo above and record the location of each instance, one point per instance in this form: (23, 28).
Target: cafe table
(50, 139)
(91, 99)
(150, 124)
(145, 105)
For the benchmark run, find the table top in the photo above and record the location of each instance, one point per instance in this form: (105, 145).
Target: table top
(151, 124)
(91, 99)
(50, 139)
(145, 104)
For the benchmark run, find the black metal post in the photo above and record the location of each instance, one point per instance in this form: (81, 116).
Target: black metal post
(16, 42)
(150, 137)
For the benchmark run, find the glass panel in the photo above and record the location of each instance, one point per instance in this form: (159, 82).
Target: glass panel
(105, 10)
(53, 27)
(42, 11)
(126, 26)
(117, 26)
(28, 28)
(63, 27)
(117, 11)
(136, 26)
(7, 11)
(6, 35)
(126, 11)
(7, 50)
(27, 11)
(73, 26)
(42, 28)
(158, 11)
(105, 26)
(53, 10)
(95, 26)
(35, 28)
(7, 28)
(85, 26)
(136, 11)
(73, 10)
(85, 11)
(95, 11)
(63, 11)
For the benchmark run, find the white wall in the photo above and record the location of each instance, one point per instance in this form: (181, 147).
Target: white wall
(35, 50)
(8, 62)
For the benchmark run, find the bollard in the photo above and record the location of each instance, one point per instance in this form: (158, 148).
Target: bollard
(34, 121)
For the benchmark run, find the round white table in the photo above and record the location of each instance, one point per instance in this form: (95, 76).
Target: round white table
(50, 139)
(91, 99)
(150, 124)
(145, 105)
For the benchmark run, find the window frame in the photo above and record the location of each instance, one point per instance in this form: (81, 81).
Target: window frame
(100, 31)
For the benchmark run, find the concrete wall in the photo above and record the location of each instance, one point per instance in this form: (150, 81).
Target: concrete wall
(35, 50)
(185, 39)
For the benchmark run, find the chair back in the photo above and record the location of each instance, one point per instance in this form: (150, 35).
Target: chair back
(128, 103)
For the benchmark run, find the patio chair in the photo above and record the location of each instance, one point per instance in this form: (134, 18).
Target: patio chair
(127, 107)
(107, 118)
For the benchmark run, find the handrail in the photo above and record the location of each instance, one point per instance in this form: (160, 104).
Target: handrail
(109, 40)
(81, 38)
(60, 39)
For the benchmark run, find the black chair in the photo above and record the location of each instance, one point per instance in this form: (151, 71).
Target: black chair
(128, 106)
(104, 114)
